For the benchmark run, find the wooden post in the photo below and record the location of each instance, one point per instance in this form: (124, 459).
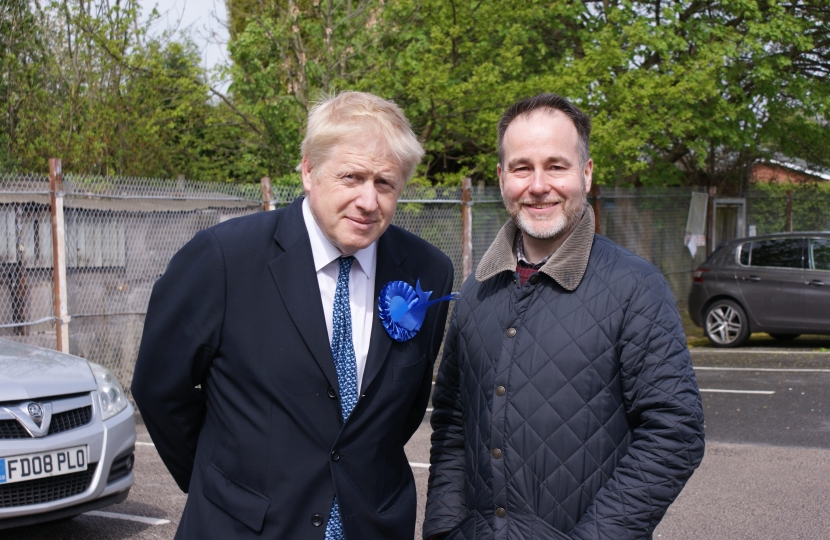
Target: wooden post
(789, 210)
(710, 237)
(466, 228)
(59, 255)
(267, 194)
(595, 204)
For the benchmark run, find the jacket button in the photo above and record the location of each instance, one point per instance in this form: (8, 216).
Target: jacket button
(500, 512)
(316, 520)
(332, 393)
(500, 390)
(511, 332)
(534, 279)
(497, 453)
(335, 456)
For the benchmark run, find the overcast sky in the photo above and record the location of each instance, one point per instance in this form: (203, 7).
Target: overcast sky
(202, 19)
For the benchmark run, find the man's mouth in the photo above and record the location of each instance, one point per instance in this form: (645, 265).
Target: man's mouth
(362, 223)
(545, 205)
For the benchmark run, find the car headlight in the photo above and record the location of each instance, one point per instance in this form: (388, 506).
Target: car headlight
(113, 397)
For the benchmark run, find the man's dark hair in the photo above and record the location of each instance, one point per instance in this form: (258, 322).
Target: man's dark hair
(551, 102)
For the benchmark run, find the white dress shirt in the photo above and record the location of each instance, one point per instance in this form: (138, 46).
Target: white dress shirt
(361, 286)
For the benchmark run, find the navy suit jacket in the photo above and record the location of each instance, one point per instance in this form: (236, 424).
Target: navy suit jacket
(236, 384)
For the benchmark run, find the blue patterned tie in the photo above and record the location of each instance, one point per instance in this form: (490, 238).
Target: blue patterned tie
(342, 350)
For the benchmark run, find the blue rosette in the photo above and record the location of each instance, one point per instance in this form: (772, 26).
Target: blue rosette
(402, 309)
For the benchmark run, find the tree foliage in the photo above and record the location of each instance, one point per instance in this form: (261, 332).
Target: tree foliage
(682, 92)
(83, 81)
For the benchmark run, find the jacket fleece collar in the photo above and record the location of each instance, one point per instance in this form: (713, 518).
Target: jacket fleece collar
(566, 266)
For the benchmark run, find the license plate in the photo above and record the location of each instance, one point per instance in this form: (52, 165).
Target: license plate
(42, 464)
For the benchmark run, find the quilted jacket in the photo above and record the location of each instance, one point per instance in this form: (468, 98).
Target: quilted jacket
(564, 408)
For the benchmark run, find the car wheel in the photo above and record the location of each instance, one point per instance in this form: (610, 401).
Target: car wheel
(783, 337)
(726, 324)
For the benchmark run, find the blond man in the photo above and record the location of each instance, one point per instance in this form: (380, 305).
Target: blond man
(272, 380)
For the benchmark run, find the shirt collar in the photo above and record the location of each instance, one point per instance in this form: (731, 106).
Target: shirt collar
(519, 249)
(324, 252)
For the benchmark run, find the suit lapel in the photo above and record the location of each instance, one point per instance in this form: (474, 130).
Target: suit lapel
(296, 279)
(388, 268)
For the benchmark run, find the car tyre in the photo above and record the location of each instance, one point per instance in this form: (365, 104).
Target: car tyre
(783, 337)
(725, 324)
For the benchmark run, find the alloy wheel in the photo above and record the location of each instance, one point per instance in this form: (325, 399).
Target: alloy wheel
(724, 324)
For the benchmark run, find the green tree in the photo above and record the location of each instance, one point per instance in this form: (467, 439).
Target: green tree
(684, 92)
(83, 81)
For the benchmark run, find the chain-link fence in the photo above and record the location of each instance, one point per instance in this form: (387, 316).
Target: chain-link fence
(119, 236)
(26, 300)
(121, 233)
(651, 222)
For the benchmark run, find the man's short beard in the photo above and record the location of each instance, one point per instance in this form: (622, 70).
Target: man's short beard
(554, 230)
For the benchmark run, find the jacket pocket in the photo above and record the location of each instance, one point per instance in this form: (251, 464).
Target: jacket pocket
(238, 501)
(409, 371)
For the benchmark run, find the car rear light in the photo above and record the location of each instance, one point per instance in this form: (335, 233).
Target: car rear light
(697, 277)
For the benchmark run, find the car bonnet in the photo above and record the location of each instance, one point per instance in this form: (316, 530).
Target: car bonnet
(28, 372)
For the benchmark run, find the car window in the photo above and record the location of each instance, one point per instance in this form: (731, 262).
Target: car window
(820, 253)
(743, 255)
(779, 253)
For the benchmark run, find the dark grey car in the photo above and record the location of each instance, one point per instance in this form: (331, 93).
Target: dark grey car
(779, 284)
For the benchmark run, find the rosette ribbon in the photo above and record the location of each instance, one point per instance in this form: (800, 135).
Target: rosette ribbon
(402, 309)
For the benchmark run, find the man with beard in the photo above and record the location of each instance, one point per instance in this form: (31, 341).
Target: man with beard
(566, 405)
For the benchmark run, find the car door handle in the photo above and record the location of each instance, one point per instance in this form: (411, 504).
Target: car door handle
(751, 278)
(815, 283)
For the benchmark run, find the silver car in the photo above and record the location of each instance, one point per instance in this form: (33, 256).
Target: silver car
(67, 436)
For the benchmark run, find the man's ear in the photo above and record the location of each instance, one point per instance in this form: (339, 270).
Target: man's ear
(498, 173)
(587, 175)
(305, 170)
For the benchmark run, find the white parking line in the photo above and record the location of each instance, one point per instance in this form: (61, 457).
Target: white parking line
(128, 517)
(789, 370)
(419, 465)
(139, 443)
(719, 391)
(742, 351)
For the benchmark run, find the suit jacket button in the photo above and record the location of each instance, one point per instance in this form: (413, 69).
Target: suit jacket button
(335, 456)
(316, 520)
(511, 332)
(332, 393)
(500, 512)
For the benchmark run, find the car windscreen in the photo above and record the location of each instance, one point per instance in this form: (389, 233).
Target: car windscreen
(820, 253)
(777, 253)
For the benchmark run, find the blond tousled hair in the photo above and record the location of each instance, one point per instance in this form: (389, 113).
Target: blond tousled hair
(351, 116)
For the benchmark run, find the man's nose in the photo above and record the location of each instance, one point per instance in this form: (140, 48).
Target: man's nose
(539, 184)
(367, 197)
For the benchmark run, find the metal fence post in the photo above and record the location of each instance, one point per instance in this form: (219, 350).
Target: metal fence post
(710, 237)
(789, 210)
(597, 209)
(267, 194)
(59, 254)
(19, 286)
(466, 228)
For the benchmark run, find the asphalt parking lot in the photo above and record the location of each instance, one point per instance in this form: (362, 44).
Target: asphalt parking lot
(765, 475)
